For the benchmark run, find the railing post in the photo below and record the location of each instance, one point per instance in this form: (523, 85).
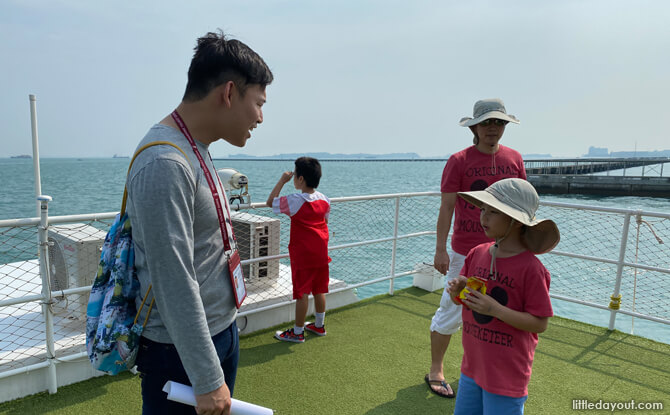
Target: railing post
(395, 243)
(43, 239)
(616, 296)
(36, 150)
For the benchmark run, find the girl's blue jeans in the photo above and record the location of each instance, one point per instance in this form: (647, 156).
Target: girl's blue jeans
(473, 400)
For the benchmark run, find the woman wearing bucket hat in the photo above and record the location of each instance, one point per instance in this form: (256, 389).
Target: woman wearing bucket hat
(474, 168)
(500, 326)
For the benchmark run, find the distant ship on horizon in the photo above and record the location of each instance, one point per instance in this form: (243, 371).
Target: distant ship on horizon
(116, 156)
(21, 156)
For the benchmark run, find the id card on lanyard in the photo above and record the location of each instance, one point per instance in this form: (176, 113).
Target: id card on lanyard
(232, 254)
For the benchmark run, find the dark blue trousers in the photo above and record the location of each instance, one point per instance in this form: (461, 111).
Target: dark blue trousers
(160, 362)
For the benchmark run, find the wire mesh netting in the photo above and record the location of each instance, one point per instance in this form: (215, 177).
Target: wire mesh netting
(73, 255)
(18, 244)
(584, 266)
(649, 245)
(350, 223)
(599, 234)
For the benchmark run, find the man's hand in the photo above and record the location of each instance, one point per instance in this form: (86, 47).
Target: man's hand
(216, 402)
(286, 176)
(441, 262)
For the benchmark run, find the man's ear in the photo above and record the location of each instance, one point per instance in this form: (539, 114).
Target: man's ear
(227, 91)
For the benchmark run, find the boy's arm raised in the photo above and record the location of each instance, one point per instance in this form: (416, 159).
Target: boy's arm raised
(285, 177)
(487, 305)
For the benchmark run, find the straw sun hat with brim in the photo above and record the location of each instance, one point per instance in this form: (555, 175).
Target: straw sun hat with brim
(485, 109)
(518, 199)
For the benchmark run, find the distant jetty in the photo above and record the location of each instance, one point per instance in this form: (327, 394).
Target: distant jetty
(21, 156)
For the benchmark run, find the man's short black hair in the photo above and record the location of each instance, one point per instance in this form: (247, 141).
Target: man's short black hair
(218, 60)
(308, 168)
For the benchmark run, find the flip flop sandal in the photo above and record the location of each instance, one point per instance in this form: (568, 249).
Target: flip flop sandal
(442, 383)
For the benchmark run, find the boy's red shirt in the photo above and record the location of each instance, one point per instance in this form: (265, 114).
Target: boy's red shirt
(308, 246)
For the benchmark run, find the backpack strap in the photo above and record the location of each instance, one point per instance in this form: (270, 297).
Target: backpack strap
(142, 306)
(137, 153)
(123, 211)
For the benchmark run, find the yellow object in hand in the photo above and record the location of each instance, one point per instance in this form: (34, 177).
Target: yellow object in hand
(472, 284)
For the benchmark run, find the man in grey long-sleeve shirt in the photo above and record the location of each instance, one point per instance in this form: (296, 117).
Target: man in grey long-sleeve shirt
(191, 336)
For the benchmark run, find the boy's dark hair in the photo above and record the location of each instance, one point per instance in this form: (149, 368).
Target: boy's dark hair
(218, 60)
(310, 169)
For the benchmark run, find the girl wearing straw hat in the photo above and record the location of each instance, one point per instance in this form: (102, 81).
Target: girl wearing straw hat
(474, 168)
(500, 327)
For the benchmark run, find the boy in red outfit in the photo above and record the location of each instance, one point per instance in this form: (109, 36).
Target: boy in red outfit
(308, 247)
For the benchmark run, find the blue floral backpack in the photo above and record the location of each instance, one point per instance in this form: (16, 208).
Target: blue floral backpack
(112, 331)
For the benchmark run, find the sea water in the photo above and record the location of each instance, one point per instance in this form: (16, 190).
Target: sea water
(91, 185)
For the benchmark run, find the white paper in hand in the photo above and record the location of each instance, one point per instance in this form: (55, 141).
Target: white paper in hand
(184, 394)
(179, 393)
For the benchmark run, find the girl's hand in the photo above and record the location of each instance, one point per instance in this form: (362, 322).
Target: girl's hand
(286, 176)
(456, 285)
(481, 303)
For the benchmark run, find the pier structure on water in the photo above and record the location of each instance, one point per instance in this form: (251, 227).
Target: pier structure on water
(592, 176)
(580, 166)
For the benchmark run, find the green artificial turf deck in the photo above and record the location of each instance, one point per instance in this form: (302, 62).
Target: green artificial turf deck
(374, 359)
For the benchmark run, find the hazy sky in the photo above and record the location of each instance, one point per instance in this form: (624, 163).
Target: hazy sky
(350, 76)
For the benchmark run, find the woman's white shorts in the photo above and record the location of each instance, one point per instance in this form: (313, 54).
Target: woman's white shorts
(447, 318)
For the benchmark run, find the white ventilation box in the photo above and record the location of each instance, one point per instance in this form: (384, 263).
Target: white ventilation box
(257, 236)
(74, 255)
(427, 277)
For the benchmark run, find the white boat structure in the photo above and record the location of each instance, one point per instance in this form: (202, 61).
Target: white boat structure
(613, 263)
(608, 259)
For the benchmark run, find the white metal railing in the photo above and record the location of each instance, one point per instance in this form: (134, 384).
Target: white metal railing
(402, 227)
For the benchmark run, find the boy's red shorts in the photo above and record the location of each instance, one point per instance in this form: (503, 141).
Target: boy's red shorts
(310, 281)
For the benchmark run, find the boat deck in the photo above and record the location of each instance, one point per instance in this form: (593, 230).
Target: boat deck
(375, 356)
(22, 338)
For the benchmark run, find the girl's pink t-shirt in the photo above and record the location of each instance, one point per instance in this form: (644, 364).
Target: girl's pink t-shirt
(470, 170)
(496, 355)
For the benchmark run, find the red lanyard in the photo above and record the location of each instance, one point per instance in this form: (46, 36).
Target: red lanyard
(210, 181)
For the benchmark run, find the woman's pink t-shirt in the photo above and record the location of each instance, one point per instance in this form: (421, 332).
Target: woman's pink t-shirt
(470, 170)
